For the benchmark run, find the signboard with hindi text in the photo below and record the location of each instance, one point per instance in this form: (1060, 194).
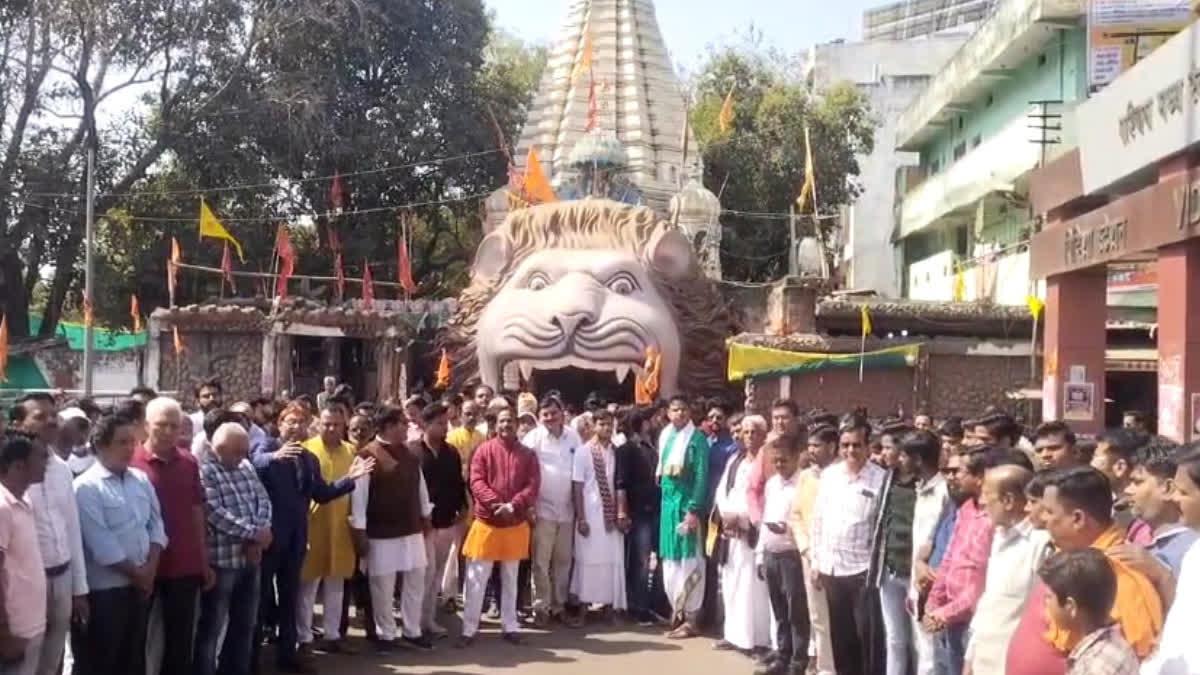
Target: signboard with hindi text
(1123, 32)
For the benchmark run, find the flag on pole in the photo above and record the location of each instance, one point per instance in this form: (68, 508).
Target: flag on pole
(337, 194)
(404, 265)
(340, 273)
(287, 260)
(1036, 305)
(178, 340)
(173, 269)
(135, 312)
(960, 284)
(4, 348)
(368, 286)
(725, 118)
(866, 330)
(584, 66)
(211, 227)
(592, 110)
(89, 315)
(537, 186)
(227, 268)
(809, 189)
(443, 372)
(866, 322)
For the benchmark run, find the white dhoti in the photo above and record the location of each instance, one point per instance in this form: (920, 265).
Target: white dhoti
(685, 596)
(599, 577)
(747, 603)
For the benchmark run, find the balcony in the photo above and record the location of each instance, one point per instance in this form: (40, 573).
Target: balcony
(1000, 278)
(999, 164)
(1016, 29)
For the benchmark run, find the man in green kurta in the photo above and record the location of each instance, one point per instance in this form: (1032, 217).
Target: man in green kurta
(683, 473)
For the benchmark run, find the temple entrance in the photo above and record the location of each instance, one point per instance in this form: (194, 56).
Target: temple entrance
(347, 359)
(575, 384)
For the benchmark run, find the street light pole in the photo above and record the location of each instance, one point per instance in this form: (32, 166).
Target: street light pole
(89, 274)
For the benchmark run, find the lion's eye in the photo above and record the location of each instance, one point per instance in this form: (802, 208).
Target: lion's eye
(537, 281)
(622, 283)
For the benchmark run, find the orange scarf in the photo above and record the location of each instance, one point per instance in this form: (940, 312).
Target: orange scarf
(1138, 609)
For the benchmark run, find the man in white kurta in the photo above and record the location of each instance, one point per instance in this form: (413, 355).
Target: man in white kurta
(599, 577)
(743, 592)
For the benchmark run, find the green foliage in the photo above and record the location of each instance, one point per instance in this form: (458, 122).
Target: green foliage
(758, 166)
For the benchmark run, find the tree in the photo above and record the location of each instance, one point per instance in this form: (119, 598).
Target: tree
(253, 104)
(758, 166)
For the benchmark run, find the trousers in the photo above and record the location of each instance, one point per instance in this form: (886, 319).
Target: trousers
(553, 551)
(59, 592)
(789, 603)
(331, 608)
(176, 606)
(233, 604)
(383, 593)
(848, 622)
(28, 663)
(280, 593)
(897, 624)
(114, 639)
(438, 548)
(478, 572)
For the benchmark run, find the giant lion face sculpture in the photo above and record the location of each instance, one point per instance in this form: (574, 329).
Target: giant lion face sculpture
(590, 284)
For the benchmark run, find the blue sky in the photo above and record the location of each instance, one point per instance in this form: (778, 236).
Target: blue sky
(690, 26)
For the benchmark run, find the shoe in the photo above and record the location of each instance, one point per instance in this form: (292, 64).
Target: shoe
(464, 641)
(420, 642)
(296, 666)
(338, 647)
(541, 620)
(724, 646)
(511, 638)
(434, 631)
(385, 646)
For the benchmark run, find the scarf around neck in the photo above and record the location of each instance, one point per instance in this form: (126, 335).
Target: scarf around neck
(672, 457)
(600, 468)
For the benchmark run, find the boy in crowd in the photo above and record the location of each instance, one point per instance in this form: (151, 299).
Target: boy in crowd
(1149, 491)
(1082, 589)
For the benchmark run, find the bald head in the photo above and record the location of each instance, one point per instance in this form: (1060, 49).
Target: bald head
(1003, 493)
(231, 444)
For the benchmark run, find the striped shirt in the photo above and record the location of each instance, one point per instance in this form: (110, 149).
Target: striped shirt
(1102, 652)
(843, 520)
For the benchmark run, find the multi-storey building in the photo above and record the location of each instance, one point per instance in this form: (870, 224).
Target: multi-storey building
(921, 18)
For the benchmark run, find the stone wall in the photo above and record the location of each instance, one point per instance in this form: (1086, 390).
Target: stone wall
(114, 371)
(944, 384)
(234, 358)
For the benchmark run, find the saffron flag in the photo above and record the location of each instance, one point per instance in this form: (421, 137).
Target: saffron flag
(866, 321)
(443, 372)
(175, 337)
(725, 118)
(1035, 306)
(173, 269)
(89, 315)
(337, 194)
(404, 267)
(537, 186)
(960, 284)
(4, 348)
(645, 385)
(809, 189)
(227, 268)
(135, 312)
(340, 273)
(584, 66)
(368, 285)
(211, 227)
(287, 260)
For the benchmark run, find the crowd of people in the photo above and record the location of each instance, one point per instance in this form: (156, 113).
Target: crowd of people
(145, 539)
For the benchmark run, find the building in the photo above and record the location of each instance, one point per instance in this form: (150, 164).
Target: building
(923, 18)
(891, 73)
(1129, 195)
(1002, 105)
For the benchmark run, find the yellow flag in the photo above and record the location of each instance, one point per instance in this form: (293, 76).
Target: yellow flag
(211, 227)
(808, 190)
(725, 119)
(3, 349)
(585, 59)
(1035, 306)
(537, 186)
(960, 285)
(866, 321)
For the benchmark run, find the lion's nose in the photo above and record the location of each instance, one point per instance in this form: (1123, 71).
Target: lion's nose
(569, 322)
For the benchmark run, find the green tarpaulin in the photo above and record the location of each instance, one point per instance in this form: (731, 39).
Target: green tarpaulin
(104, 340)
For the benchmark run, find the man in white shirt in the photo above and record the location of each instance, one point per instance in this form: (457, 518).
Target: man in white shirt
(57, 518)
(555, 445)
(1017, 551)
(847, 501)
(780, 564)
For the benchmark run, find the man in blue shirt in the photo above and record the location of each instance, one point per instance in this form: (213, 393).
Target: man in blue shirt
(123, 536)
(1149, 492)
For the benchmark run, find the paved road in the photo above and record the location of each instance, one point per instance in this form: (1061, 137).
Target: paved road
(597, 650)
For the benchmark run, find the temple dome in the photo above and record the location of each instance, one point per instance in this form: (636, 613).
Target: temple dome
(696, 203)
(600, 148)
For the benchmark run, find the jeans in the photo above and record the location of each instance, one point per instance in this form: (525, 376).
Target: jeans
(280, 592)
(178, 602)
(896, 622)
(114, 639)
(849, 627)
(235, 599)
(639, 544)
(789, 603)
(950, 649)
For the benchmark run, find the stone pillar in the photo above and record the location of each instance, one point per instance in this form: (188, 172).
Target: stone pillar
(1075, 341)
(1179, 340)
(792, 306)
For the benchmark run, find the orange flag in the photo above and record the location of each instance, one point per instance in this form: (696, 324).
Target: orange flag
(368, 286)
(337, 194)
(179, 349)
(173, 269)
(227, 268)
(89, 315)
(443, 372)
(136, 312)
(404, 267)
(3, 349)
(287, 260)
(340, 273)
(645, 389)
(585, 58)
(537, 186)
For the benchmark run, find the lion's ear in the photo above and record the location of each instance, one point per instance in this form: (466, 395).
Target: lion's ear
(670, 253)
(492, 256)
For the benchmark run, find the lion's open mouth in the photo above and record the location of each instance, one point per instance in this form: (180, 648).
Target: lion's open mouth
(619, 371)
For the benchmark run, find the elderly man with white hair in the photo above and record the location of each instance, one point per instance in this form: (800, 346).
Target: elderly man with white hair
(183, 569)
(239, 530)
(744, 594)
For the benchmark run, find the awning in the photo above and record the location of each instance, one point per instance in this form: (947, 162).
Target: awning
(749, 361)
